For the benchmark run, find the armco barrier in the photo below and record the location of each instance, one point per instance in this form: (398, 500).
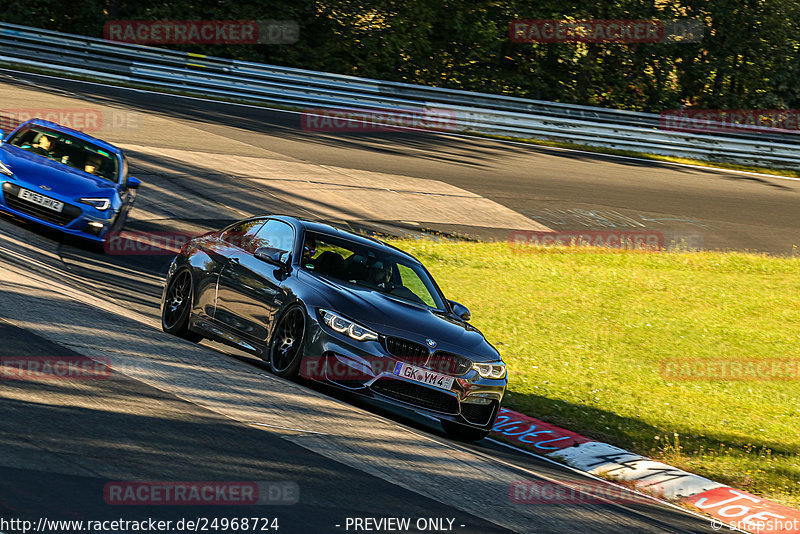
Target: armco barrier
(472, 112)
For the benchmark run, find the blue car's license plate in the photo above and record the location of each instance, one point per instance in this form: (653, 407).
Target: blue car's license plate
(41, 200)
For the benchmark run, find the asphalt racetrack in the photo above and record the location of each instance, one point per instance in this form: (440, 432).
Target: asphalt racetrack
(173, 411)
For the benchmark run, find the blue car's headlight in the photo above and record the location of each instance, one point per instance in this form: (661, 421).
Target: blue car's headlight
(101, 204)
(5, 170)
(348, 327)
(490, 370)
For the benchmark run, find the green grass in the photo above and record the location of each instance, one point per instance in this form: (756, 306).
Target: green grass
(584, 331)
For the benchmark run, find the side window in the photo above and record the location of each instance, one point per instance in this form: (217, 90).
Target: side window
(243, 234)
(275, 234)
(412, 281)
(23, 139)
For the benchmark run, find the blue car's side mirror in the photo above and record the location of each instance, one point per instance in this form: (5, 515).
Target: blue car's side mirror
(2, 136)
(133, 182)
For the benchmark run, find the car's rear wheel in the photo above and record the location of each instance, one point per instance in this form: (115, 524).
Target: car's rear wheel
(463, 432)
(286, 347)
(177, 306)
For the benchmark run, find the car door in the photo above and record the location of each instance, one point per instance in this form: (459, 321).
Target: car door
(213, 258)
(250, 290)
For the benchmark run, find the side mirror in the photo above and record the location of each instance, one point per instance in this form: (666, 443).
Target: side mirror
(270, 255)
(460, 310)
(133, 182)
(2, 136)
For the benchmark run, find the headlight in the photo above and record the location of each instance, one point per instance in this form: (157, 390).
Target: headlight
(101, 204)
(5, 170)
(490, 370)
(346, 326)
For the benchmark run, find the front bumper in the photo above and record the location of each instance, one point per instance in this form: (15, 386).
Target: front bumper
(366, 368)
(73, 220)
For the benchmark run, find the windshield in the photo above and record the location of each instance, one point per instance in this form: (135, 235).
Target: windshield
(369, 267)
(69, 151)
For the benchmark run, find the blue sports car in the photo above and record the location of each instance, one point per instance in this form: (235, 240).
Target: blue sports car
(65, 179)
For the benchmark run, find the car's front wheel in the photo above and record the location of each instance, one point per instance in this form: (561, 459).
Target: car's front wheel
(177, 306)
(286, 347)
(463, 432)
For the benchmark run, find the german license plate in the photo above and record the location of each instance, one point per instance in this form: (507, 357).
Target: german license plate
(423, 376)
(36, 198)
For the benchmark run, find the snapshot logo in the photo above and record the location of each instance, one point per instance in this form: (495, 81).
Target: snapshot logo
(782, 121)
(521, 240)
(726, 369)
(202, 31)
(376, 120)
(604, 31)
(201, 493)
(44, 368)
(588, 492)
(81, 119)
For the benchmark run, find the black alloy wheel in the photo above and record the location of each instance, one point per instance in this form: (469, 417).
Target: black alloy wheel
(286, 348)
(177, 306)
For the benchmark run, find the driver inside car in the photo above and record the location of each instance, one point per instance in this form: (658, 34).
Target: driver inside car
(43, 147)
(379, 275)
(309, 249)
(92, 164)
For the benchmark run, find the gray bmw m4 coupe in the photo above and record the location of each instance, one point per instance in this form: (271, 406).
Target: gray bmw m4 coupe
(317, 302)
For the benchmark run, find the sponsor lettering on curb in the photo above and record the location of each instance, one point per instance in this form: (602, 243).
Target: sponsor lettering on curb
(728, 369)
(616, 239)
(44, 368)
(533, 434)
(730, 508)
(200, 493)
(748, 512)
(642, 473)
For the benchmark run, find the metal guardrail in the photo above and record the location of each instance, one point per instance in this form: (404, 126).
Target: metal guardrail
(468, 111)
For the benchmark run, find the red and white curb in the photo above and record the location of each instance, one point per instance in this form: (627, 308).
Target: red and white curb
(726, 506)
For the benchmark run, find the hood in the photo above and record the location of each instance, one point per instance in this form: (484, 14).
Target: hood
(33, 170)
(393, 316)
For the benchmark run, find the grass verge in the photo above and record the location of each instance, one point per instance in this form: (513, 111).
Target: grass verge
(585, 332)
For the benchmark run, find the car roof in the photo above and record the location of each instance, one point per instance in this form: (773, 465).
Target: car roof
(327, 229)
(75, 133)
